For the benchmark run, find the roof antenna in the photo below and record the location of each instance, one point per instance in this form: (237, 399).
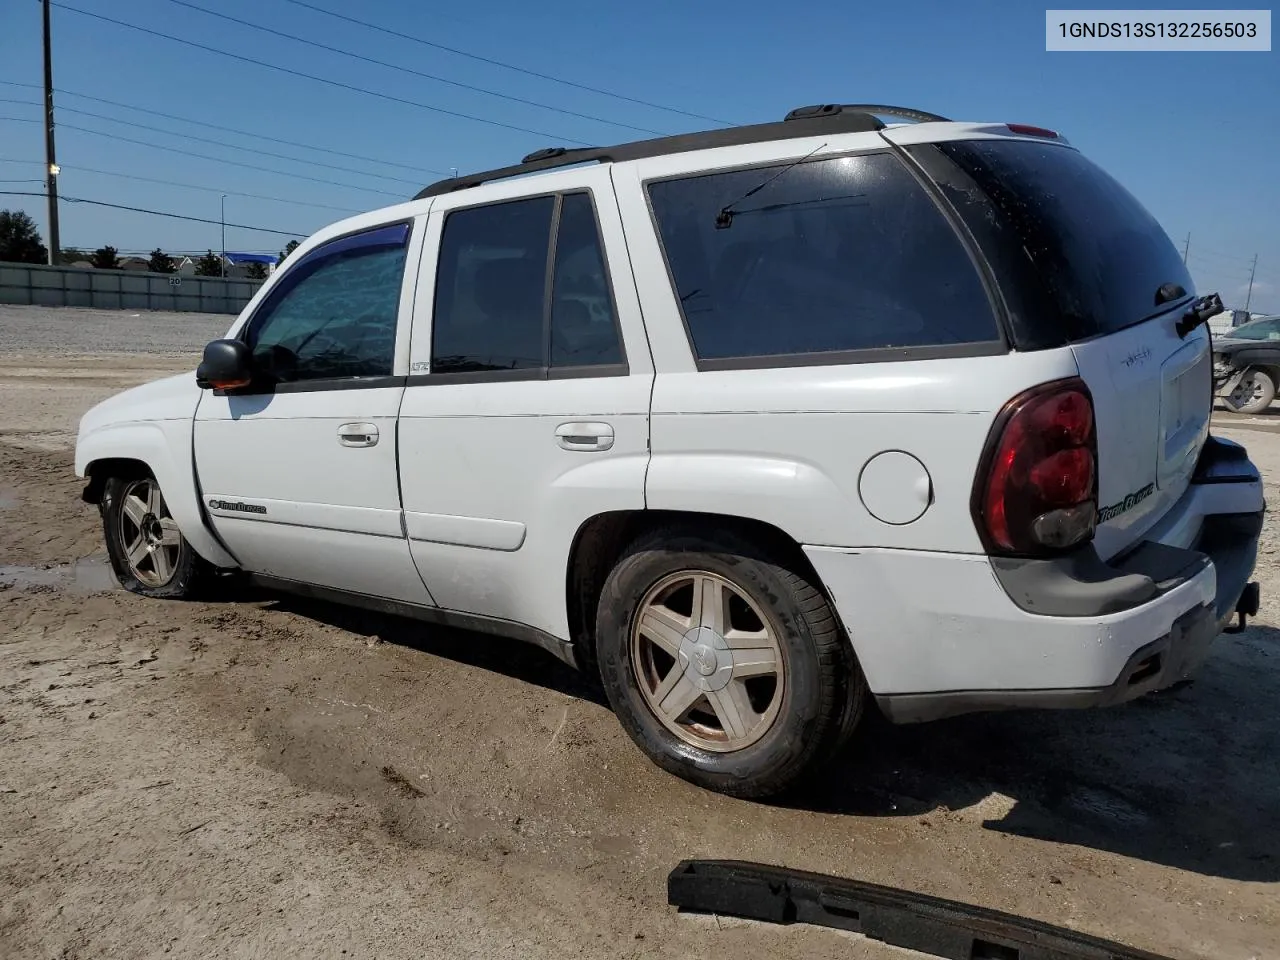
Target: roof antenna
(724, 219)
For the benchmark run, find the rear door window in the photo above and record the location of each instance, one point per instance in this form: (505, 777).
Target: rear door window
(807, 262)
(490, 287)
(1096, 254)
(584, 329)
(494, 308)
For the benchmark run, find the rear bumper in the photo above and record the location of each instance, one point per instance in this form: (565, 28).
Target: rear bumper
(944, 634)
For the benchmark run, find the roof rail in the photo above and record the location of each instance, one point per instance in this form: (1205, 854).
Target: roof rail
(833, 119)
(874, 109)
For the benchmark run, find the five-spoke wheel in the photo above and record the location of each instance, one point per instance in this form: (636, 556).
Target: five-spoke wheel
(706, 661)
(153, 546)
(724, 661)
(147, 549)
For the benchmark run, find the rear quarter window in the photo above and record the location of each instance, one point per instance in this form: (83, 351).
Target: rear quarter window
(808, 262)
(1077, 254)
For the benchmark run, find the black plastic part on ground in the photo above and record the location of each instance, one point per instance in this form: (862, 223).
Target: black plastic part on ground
(945, 928)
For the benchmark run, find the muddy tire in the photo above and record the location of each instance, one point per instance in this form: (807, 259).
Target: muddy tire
(1253, 394)
(147, 551)
(726, 667)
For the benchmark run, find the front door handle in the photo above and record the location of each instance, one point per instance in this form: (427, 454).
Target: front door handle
(584, 436)
(358, 434)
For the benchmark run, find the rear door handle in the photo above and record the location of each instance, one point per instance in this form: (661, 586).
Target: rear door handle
(584, 436)
(358, 434)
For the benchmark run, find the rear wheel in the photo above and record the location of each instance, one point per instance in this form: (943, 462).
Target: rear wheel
(147, 550)
(1253, 394)
(726, 668)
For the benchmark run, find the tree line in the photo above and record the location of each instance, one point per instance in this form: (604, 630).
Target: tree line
(20, 243)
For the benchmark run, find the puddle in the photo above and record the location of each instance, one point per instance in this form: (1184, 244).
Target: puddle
(89, 575)
(8, 499)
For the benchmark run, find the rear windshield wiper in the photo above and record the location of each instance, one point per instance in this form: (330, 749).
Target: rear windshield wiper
(724, 219)
(1198, 313)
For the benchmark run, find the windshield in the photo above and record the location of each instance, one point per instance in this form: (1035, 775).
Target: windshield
(1096, 254)
(1267, 328)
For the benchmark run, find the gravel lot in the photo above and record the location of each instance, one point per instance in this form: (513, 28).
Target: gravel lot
(267, 777)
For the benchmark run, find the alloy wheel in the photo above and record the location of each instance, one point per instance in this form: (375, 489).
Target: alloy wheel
(152, 544)
(707, 661)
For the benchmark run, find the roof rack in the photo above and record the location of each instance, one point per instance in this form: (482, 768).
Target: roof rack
(803, 121)
(875, 109)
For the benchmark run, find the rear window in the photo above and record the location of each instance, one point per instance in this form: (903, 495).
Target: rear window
(802, 262)
(1098, 255)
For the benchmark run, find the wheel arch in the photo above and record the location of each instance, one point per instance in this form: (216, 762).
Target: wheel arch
(602, 539)
(163, 449)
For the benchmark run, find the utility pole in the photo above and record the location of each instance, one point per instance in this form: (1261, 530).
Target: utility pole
(1186, 248)
(1252, 271)
(51, 163)
(224, 237)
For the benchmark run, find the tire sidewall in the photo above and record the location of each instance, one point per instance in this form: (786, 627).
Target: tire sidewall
(183, 582)
(794, 735)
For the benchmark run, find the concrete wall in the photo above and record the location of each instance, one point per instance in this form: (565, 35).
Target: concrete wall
(25, 283)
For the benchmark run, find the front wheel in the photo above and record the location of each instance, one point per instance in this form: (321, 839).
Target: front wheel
(1253, 394)
(728, 669)
(147, 550)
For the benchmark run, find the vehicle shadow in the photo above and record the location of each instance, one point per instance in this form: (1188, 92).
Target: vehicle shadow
(511, 658)
(1188, 778)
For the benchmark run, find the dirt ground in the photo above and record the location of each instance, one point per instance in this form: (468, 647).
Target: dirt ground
(267, 777)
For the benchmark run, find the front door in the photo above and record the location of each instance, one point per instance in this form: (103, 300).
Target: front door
(298, 472)
(527, 409)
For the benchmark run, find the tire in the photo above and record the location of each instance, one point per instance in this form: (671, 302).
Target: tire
(780, 727)
(135, 518)
(1253, 394)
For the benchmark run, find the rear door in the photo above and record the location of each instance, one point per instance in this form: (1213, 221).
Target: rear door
(1082, 264)
(527, 409)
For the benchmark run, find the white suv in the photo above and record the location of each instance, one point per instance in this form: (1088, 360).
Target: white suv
(765, 425)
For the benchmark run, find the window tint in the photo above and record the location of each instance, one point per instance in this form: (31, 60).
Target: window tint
(490, 287)
(1098, 254)
(824, 256)
(583, 329)
(333, 315)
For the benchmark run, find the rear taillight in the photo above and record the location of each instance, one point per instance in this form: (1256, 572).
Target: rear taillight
(1035, 492)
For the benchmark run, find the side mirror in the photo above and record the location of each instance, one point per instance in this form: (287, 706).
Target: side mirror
(226, 365)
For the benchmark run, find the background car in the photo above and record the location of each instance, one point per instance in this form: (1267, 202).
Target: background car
(1246, 365)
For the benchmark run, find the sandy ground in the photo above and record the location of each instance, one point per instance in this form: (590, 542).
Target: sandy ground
(266, 777)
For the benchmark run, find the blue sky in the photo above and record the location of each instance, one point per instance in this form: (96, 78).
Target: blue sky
(1195, 135)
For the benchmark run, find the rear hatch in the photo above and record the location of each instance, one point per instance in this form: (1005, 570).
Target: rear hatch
(1081, 264)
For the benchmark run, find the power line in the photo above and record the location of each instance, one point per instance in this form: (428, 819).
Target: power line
(1219, 269)
(408, 70)
(326, 80)
(506, 66)
(175, 183)
(202, 156)
(1218, 253)
(213, 126)
(157, 213)
(223, 143)
(194, 186)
